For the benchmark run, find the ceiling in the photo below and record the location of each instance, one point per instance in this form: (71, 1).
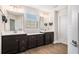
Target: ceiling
(47, 8)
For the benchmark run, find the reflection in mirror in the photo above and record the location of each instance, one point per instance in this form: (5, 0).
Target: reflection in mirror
(12, 25)
(31, 21)
(45, 24)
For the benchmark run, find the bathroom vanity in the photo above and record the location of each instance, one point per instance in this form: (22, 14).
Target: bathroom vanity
(16, 43)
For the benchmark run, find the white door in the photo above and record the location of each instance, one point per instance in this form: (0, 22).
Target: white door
(78, 33)
(62, 26)
(73, 33)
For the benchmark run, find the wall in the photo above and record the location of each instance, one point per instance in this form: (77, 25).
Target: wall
(51, 19)
(55, 26)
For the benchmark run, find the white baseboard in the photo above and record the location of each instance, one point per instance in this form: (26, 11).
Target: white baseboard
(60, 42)
(57, 41)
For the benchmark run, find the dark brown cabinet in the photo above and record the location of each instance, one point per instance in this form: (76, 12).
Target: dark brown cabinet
(48, 37)
(51, 37)
(40, 40)
(31, 41)
(21, 42)
(9, 44)
(35, 40)
(13, 43)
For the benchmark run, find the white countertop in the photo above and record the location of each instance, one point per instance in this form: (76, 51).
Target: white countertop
(22, 32)
(46, 31)
(33, 33)
(12, 33)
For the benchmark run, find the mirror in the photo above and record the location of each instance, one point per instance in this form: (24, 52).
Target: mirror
(31, 21)
(15, 21)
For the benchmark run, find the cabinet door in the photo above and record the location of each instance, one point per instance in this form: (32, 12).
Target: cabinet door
(47, 38)
(32, 41)
(23, 43)
(51, 37)
(40, 40)
(9, 44)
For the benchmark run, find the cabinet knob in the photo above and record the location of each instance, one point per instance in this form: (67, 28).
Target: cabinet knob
(23, 41)
(17, 40)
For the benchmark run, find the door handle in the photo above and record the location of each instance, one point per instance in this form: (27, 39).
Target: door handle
(74, 43)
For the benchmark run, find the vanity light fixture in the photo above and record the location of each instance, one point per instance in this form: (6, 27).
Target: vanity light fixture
(45, 24)
(50, 23)
(4, 19)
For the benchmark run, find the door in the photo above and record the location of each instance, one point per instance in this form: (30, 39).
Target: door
(78, 33)
(12, 25)
(62, 26)
(73, 29)
(62, 29)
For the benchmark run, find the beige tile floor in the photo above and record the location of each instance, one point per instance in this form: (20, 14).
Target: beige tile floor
(57, 48)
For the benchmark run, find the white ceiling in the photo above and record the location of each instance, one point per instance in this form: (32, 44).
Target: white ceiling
(47, 8)
(44, 7)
